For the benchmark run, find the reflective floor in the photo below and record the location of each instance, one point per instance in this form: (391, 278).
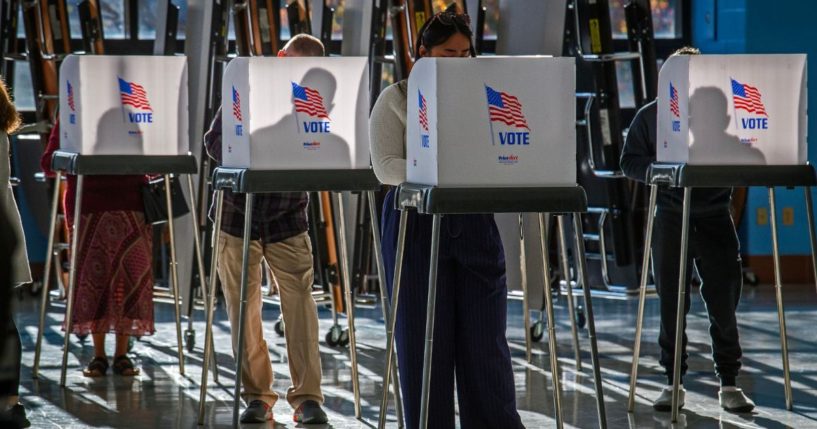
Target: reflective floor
(162, 398)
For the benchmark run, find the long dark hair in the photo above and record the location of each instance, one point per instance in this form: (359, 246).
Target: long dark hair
(440, 28)
(9, 118)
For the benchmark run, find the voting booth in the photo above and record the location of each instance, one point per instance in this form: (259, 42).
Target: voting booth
(503, 121)
(123, 105)
(732, 110)
(296, 113)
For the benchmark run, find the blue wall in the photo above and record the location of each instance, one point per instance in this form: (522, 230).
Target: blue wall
(764, 27)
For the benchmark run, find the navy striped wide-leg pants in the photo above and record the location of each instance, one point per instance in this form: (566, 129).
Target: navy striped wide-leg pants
(469, 328)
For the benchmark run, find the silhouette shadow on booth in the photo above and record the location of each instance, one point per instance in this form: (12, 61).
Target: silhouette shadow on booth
(709, 124)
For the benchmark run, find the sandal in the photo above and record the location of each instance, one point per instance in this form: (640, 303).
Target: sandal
(122, 365)
(98, 367)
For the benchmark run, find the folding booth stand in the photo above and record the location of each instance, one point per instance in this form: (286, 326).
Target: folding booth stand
(713, 176)
(251, 182)
(83, 165)
(438, 201)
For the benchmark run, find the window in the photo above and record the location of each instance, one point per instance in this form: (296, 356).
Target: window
(284, 24)
(23, 91)
(337, 18)
(148, 21)
(113, 18)
(666, 16)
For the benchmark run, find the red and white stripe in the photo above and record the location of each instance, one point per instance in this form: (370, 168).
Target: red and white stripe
(511, 114)
(138, 99)
(313, 106)
(752, 102)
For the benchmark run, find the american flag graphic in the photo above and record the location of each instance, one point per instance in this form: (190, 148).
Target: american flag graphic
(133, 94)
(673, 101)
(423, 112)
(309, 101)
(236, 105)
(505, 108)
(70, 91)
(747, 97)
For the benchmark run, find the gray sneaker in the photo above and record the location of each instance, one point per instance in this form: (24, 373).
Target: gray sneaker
(257, 411)
(310, 413)
(735, 401)
(664, 400)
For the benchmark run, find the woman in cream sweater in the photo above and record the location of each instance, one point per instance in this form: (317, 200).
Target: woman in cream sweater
(469, 330)
(14, 244)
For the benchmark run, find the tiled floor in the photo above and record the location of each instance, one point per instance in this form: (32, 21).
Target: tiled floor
(161, 398)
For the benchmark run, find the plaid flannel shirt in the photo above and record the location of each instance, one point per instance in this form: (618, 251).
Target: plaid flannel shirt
(275, 216)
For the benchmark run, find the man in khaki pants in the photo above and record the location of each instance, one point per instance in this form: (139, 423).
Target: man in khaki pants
(279, 236)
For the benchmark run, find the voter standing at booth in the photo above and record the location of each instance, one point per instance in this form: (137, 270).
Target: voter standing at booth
(114, 289)
(715, 251)
(279, 236)
(13, 245)
(469, 334)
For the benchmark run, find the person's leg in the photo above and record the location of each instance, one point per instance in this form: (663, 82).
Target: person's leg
(485, 383)
(11, 364)
(722, 281)
(411, 317)
(256, 375)
(291, 264)
(122, 365)
(666, 259)
(99, 345)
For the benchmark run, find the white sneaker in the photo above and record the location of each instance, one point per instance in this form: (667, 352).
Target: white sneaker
(664, 400)
(735, 401)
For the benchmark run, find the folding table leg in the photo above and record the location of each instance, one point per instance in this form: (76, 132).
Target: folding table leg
(52, 228)
(384, 301)
(679, 317)
(552, 350)
(209, 308)
(781, 315)
(571, 307)
(431, 306)
(392, 322)
(642, 296)
(72, 278)
(811, 234)
(199, 260)
(242, 304)
(523, 277)
(174, 273)
(350, 303)
(591, 324)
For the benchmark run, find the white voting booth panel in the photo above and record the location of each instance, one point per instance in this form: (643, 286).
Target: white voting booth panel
(733, 110)
(499, 122)
(296, 113)
(123, 105)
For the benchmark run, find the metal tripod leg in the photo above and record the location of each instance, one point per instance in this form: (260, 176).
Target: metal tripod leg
(781, 316)
(350, 303)
(245, 260)
(642, 297)
(46, 290)
(174, 273)
(811, 234)
(552, 350)
(199, 262)
(384, 301)
(523, 277)
(431, 307)
(395, 295)
(571, 306)
(72, 278)
(679, 316)
(209, 308)
(591, 324)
